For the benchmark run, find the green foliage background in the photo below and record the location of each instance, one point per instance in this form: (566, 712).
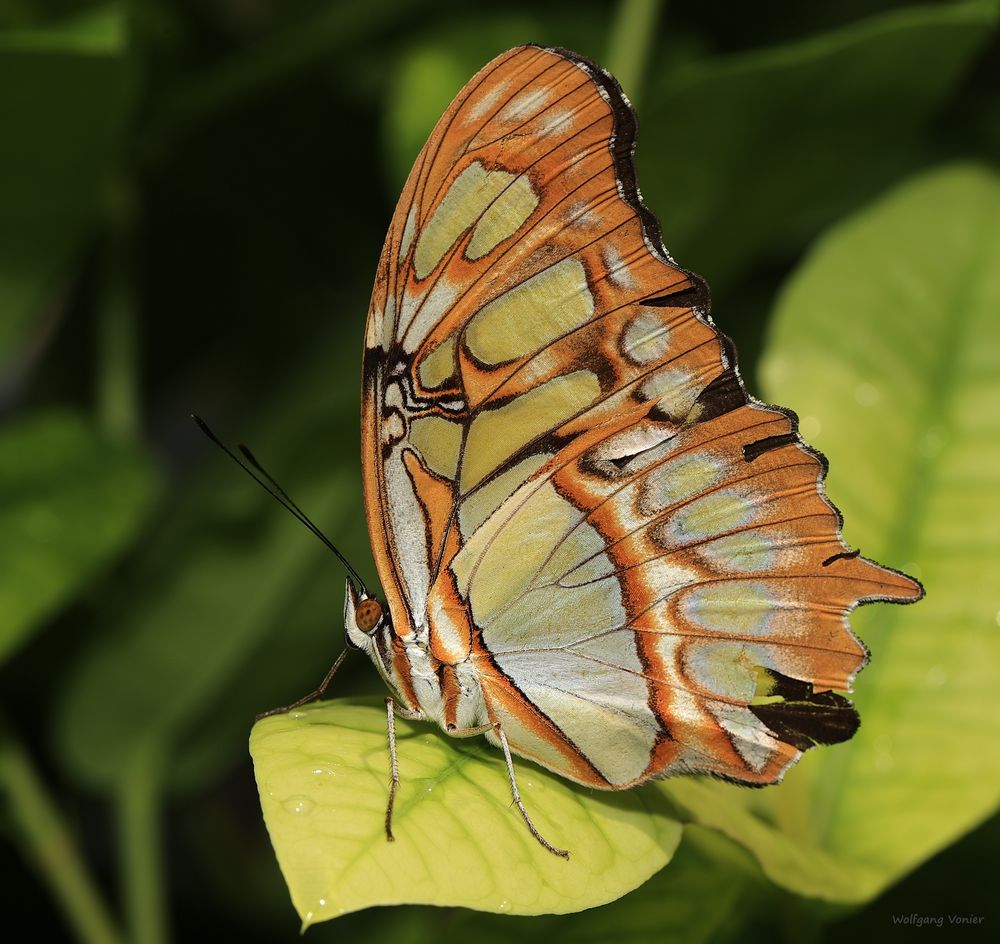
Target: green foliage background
(193, 196)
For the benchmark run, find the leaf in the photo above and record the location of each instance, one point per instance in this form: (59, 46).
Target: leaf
(787, 858)
(97, 31)
(64, 89)
(704, 889)
(204, 617)
(69, 503)
(747, 155)
(322, 773)
(222, 575)
(888, 343)
(203, 620)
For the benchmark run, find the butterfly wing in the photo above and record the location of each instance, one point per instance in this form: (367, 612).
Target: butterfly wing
(567, 485)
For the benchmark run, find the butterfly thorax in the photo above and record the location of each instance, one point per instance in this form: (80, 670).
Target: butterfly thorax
(447, 692)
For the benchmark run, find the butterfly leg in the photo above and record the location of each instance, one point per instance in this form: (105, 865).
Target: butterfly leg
(391, 710)
(312, 696)
(502, 738)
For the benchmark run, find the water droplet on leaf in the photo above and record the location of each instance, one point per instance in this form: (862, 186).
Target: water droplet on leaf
(300, 805)
(936, 676)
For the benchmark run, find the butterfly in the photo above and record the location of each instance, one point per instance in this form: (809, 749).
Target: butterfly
(597, 549)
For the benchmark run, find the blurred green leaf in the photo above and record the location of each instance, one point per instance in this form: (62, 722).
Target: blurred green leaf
(63, 96)
(322, 772)
(99, 31)
(887, 341)
(744, 157)
(70, 501)
(216, 580)
(431, 73)
(202, 620)
(288, 659)
(789, 858)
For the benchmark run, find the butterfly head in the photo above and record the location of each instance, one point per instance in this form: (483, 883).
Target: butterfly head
(363, 616)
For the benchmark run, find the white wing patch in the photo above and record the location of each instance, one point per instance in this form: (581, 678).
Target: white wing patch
(602, 708)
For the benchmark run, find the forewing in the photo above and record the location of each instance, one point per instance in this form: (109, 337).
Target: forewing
(564, 475)
(509, 247)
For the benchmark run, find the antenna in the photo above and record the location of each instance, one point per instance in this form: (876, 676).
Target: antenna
(273, 489)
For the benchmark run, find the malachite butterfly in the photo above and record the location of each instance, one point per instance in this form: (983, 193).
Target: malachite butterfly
(596, 547)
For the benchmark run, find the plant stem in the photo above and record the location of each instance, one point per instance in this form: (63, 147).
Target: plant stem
(116, 342)
(141, 853)
(632, 36)
(49, 843)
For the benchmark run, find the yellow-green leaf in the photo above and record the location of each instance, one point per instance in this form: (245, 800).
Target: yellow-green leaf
(323, 774)
(887, 342)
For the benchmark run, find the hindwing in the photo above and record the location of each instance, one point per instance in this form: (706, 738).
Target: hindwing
(567, 485)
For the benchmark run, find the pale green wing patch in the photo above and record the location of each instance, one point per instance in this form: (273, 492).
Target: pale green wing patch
(323, 774)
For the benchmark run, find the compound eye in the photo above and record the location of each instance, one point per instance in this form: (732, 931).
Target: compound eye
(368, 615)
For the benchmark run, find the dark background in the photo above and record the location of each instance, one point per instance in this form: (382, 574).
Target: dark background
(194, 199)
